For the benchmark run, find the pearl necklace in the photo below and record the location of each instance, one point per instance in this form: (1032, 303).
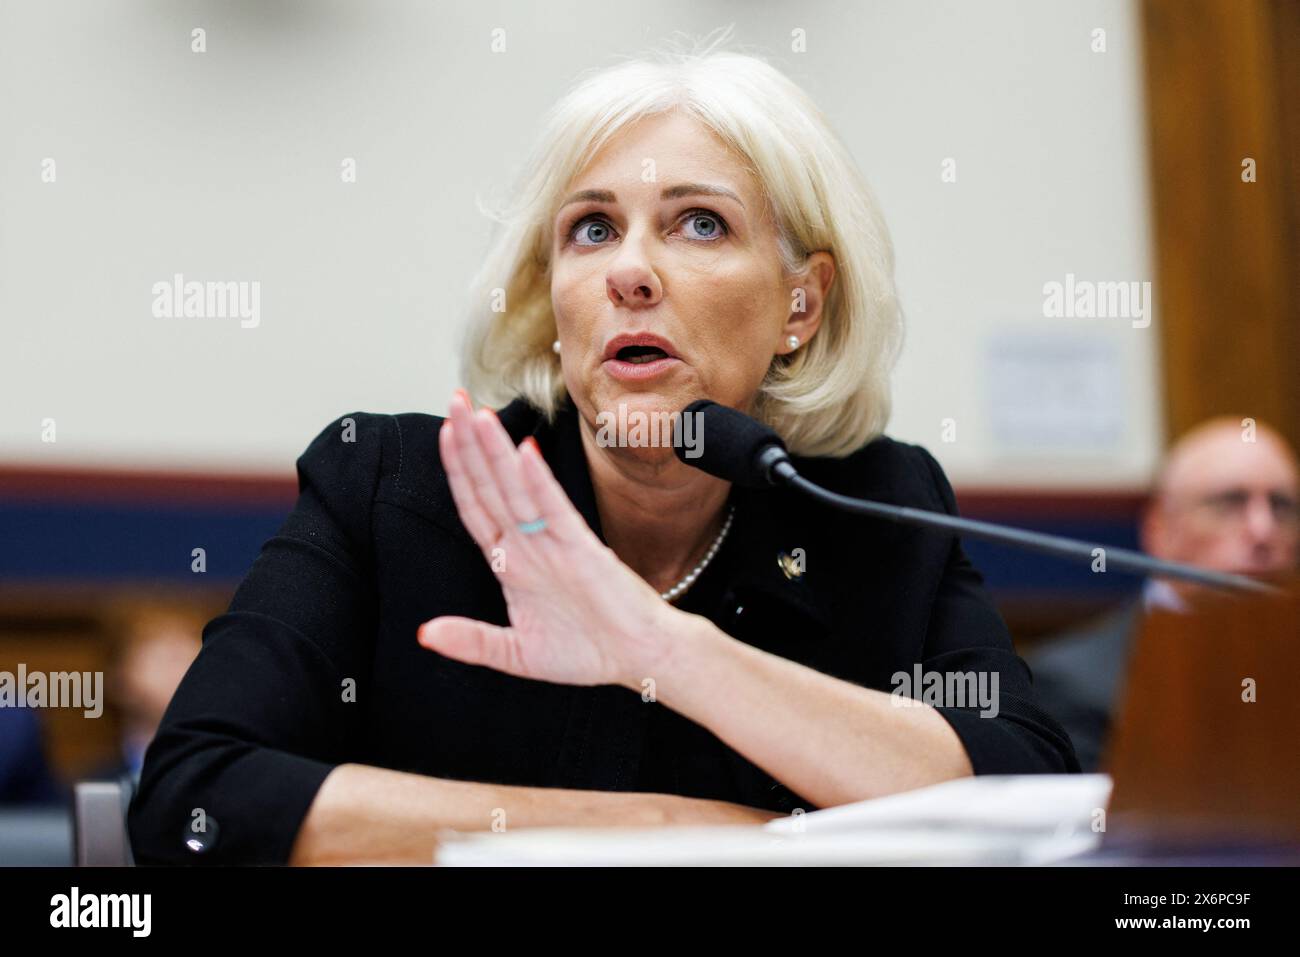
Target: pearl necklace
(679, 589)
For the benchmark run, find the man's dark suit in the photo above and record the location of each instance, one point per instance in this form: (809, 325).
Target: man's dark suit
(1079, 677)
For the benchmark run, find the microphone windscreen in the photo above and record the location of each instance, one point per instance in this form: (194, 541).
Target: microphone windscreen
(724, 442)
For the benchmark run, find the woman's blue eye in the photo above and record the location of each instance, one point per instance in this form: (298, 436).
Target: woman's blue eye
(599, 237)
(707, 225)
(701, 224)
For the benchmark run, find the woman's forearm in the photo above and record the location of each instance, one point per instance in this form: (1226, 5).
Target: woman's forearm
(368, 815)
(829, 740)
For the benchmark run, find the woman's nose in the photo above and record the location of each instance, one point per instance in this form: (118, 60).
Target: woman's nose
(631, 281)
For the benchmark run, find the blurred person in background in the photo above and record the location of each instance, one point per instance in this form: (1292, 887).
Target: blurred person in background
(156, 645)
(1225, 498)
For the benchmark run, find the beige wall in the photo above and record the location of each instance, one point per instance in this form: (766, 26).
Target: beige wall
(225, 166)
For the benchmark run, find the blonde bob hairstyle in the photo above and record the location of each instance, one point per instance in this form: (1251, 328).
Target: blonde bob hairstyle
(827, 398)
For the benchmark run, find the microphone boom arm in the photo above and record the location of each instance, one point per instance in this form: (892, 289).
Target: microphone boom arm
(783, 472)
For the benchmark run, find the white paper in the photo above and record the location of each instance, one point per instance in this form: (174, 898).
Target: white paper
(1024, 819)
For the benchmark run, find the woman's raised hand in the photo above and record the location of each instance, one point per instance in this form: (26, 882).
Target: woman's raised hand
(578, 615)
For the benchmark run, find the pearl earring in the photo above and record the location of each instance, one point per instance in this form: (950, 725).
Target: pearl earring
(555, 347)
(792, 342)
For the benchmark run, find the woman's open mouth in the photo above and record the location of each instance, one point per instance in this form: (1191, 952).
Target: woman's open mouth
(639, 362)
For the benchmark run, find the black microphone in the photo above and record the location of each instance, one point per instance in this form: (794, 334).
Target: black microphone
(737, 448)
(730, 445)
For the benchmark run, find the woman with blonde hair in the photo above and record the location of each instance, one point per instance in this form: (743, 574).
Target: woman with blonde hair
(531, 618)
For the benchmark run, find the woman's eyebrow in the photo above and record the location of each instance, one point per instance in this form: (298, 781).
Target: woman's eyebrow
(698, 189)
(671, 192)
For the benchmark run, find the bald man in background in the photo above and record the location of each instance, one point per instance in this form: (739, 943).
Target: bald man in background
(1226, 499)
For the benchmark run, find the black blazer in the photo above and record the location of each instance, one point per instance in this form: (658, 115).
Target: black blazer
(374, 547)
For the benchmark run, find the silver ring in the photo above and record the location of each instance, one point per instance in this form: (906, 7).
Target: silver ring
(533, 527)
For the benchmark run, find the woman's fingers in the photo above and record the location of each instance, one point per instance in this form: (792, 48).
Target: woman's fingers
(498, 486)
(476, 521)
(476, 466)
(503, 461)
(473, 642)
(548, 496)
